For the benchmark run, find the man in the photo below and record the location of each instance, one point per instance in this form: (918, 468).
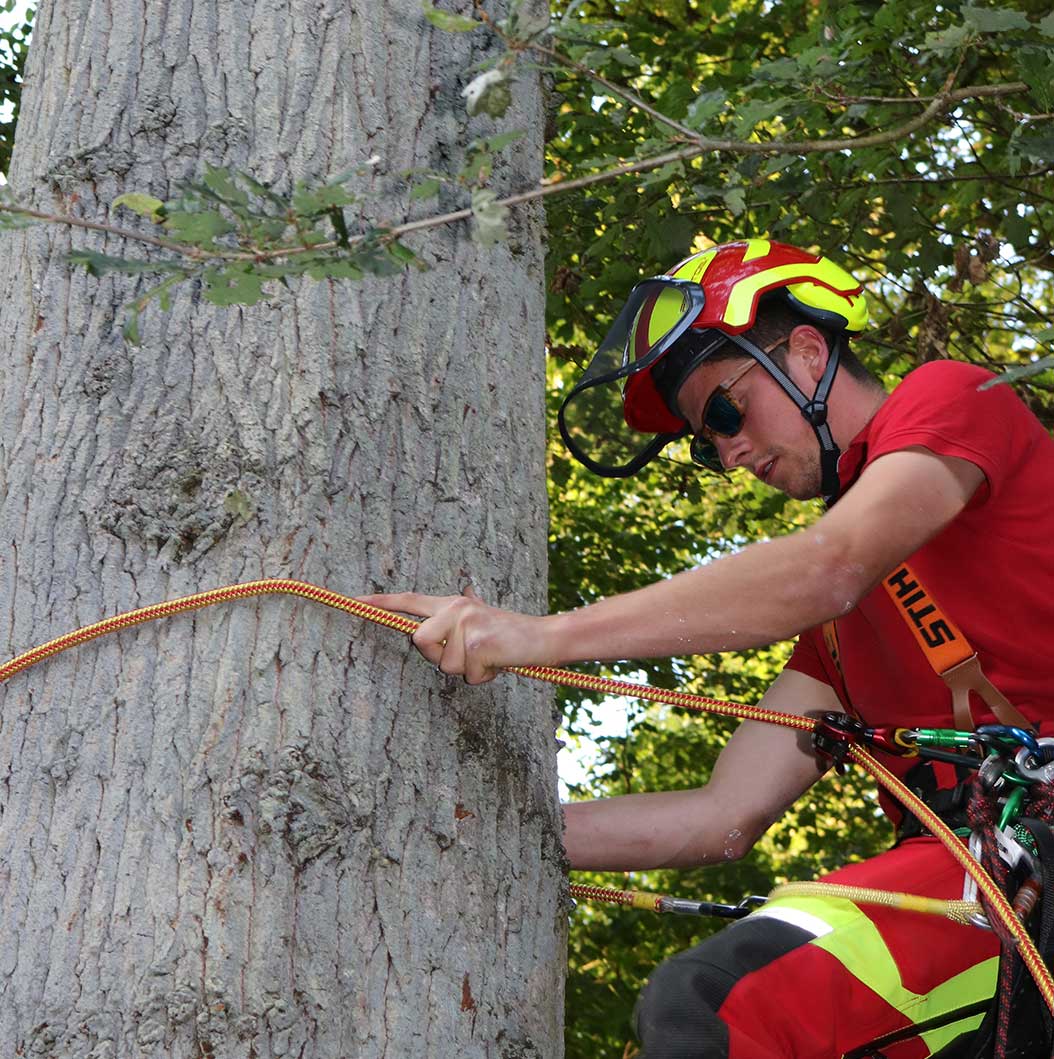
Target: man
(740, 347)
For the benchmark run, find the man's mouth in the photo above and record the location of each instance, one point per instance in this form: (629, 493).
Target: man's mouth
(764, 470)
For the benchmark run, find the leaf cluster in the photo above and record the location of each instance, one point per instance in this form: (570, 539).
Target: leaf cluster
(234, 234)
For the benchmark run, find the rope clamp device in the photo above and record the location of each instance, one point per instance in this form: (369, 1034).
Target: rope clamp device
(832, 737)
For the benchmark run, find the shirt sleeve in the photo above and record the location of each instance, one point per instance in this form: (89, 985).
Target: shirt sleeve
(941, 407)
(807, 657)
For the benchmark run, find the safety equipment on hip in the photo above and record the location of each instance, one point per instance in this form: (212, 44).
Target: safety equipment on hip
(623, 411)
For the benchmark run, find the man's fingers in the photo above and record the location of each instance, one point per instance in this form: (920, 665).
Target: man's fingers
(416, 603)
(445, 635)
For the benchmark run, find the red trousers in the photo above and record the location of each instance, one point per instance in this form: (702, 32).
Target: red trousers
(816, 978)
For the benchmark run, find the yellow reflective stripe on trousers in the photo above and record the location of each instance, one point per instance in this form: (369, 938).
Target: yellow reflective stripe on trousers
(856, 944)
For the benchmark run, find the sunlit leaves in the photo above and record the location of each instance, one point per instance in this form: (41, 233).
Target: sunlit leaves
(448, 21)
(145, 205)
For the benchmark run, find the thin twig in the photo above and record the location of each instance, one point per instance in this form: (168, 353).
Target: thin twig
(617, 90)
(95, 226)
(975, 92)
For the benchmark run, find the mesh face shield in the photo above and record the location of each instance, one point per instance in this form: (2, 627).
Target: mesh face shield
(615, 420)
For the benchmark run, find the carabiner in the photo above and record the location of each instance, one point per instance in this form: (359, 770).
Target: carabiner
(1010, 734)
(1043, 769)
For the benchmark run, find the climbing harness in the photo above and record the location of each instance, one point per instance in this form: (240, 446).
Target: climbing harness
(997, 740)
(944, 646)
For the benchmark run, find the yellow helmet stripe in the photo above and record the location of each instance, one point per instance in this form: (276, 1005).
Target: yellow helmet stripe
(851, 306)
(695, 267)
(756, 248)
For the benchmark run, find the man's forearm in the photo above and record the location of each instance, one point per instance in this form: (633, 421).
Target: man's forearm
(670, 829)
(767, 592)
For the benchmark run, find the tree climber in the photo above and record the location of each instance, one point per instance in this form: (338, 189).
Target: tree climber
(937, 536)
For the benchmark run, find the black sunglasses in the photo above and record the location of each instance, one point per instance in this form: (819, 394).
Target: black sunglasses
(722, 417)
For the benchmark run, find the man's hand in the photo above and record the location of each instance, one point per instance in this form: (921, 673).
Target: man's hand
(463, 636)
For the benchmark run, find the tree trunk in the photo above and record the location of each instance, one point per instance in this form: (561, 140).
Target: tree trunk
(268, 829)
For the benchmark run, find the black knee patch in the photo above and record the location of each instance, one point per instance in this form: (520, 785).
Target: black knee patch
(676, 1015)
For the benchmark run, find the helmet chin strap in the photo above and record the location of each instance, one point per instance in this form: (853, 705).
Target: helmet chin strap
(813, 410)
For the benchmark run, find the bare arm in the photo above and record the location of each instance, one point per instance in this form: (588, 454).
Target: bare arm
(759, 773)
(767, 592)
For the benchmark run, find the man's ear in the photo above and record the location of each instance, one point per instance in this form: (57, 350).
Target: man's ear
(808, 348)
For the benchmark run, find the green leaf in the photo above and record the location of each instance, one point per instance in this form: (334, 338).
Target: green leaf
(426, 189)
(494, 144)
(756, 111)
(1018, 231)
(199, 227)
(340, 227)
(489, 93)
(735, 200)
(268, 230)
(950, 39)
(233, 285)
(145, 205)
(1037, 70)
(312, 202)
(489, 217)
(1037, 145)
(11, 219)
(1022, 371)
(1046, 25)
(403, 254)
(130, 331)
(994, 19)
(335, 268)
(624, 57)
(221, 183)
(446, 20)
(779, 70)
(261, 190)
(705, 106)
(524, 26)
(239, 505)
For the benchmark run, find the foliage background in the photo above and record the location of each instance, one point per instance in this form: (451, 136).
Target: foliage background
(950, 228)
(949, 224)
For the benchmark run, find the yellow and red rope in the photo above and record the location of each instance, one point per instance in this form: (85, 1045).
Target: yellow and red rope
(998, 903)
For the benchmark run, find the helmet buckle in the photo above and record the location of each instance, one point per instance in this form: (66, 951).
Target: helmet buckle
(815, 413)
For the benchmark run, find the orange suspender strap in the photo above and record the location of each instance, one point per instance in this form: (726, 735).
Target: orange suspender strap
(946, 649)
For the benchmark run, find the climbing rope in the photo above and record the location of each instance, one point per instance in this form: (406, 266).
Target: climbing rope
(999, 907)
(956, 911)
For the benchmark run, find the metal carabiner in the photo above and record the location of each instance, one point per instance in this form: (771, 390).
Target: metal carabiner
(1043, 772)
(1007, 733)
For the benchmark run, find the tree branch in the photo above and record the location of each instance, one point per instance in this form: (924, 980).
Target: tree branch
(700, 145)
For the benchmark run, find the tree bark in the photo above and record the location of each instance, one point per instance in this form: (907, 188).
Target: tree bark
(267, 829)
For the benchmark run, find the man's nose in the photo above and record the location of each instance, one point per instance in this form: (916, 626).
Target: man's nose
(734, 451)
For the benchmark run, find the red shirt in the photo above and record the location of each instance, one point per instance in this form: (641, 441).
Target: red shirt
(991, 570)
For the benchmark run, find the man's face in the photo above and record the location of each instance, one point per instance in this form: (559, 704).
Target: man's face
(775, 442)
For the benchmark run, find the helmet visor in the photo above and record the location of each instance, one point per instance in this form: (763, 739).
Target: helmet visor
(602, 428)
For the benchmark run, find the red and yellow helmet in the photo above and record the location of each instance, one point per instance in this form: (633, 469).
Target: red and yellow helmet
(701, 304)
